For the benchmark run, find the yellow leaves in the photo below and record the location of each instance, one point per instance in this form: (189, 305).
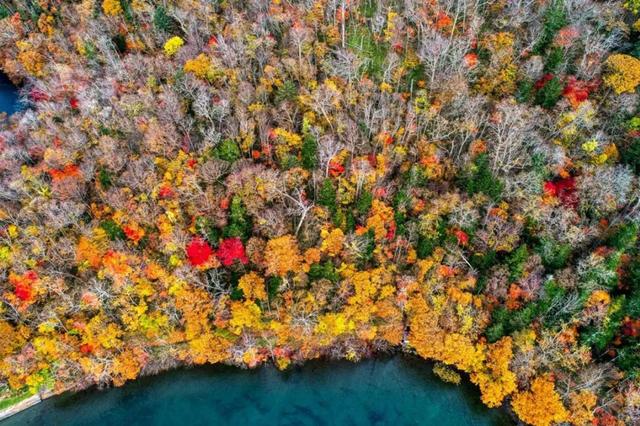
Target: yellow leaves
(598, 297)
(624, 73)
(460, 351)
(252, 286)
(386, 87)
(525, 339)
(391, 26)
(126, 366)
(495, 379)
(12, 338)
(293, 140)
(5, 256)
(209, 348)
(47, 347)
(202, 67)
(367, 284)
(173, 45)
(446, 373)
(282, 256)
(245, 315)
(582, 405)
(112, 7)
(46, 24)
(541, 405)
(251, 357)
(332, 241)
(109, 336)
(30, 59)
(334, 324)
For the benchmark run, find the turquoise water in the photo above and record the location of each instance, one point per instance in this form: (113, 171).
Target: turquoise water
(393, 391)
(8, 95)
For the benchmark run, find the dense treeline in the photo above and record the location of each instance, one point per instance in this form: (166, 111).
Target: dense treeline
(258, 181)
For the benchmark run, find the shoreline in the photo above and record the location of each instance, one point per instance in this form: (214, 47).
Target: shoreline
(24, 404)
(39, 397)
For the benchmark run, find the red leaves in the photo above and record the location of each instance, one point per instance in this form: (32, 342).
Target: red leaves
(231, 250)
(391, 233)
(74, 103)
(38, 95)
(335, 168)
(563, 189)
(23, 291)
(133, 232)
(631, 327)
(461, 236)
(70, 170)
(86, 348)
(550, 189)
(165, 192)
(198, 251)
(23, 285)
(373, 161)
(577, 91)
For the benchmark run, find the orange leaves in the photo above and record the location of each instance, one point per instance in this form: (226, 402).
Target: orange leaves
(541, 405)
(116, 265)
(68, 171)
(87, 251)
(471, 60)
(380, 220)
(282, 256)
(443, 21)
(127, 365)
(582, 406)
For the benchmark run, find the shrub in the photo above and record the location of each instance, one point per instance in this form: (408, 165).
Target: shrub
(550, 93)
(624, 73)
(173, 45)
(228, 150)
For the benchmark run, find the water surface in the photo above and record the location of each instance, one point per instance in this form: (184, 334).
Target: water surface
(392, 391)
(8, 95)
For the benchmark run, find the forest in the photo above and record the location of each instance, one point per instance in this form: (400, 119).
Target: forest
(274, 181)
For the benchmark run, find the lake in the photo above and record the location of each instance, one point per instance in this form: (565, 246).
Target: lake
(8, 95)
(401, 390)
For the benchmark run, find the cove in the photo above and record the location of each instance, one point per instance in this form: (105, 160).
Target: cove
(400, 390)
(8, 95)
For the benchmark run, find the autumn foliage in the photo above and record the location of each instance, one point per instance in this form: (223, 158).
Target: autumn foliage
(272, 182)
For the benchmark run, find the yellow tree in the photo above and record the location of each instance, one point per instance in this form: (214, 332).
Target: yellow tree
(541, 405)
(252, 286)
(495, 379)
